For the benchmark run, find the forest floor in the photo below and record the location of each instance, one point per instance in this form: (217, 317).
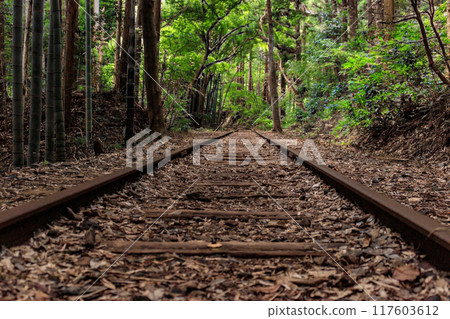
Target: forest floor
(422, 185)
(62, 261)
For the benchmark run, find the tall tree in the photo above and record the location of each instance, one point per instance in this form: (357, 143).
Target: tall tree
(97, 42)
(298, 45)
(352, 18)
(265, 89)
(139, 51)
(118, 44)
(69, 58)
(88, 72)
(370, 13)
(125, 42)
(50, 90)
(60, 154)
(151, 25)
(3, 91)
(18, 157)
(216, 36)
(344, 16)
(250, 72)
(129, 129)
(429, 51)
(240, 80)
(36, 81)
(273, 90)
(26, 44)
(378, 13)
(388, 17)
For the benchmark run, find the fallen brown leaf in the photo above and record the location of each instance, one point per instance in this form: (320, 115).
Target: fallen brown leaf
(108, 284)
(41, 296)
(268, 289)
(366, 242)
(406, 273)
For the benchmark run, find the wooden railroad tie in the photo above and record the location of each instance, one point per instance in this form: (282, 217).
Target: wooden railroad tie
(202, 197)
(218, 214)
(231, 248)
(227, 183)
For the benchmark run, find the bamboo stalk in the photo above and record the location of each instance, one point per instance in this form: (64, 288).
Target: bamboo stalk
(17, 51)
(130, 92)
(88, 72)
(36, 81)
(50, 91)
(60, 154)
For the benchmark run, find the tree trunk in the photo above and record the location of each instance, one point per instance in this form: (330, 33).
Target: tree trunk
(60, 154)
(26, 45)
(18, 157)
(298, 45)
(283, 85)
(69, 58)
(203, 85)
(3, 91)
(304, 34)
(97, 39)
(138, 49)
(240, 80)
(273, 93)
(151, 24)
(370, 14)
(129, 129)
(118, 44)
(36, 82)
(378, 13)
(88, 73)
(388, 17)
(265, 90)
(101, 57)
(250, 72)
(50, 90)
(258, 83)
(125, 41)
(344, 7)
(352, 18)
(426, 43)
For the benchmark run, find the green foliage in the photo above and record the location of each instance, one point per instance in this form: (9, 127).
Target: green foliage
(181, 125)
(364, 79)
(108, 75)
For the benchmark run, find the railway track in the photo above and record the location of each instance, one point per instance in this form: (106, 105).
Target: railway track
(256, 230)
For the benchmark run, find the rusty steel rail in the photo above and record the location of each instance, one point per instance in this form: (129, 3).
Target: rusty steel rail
(19, 223)
(428, 235)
